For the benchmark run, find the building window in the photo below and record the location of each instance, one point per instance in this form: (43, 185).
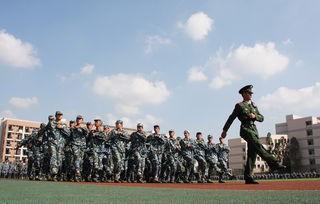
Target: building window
(18, 151)
(9, 136)
(244, 157)
(311, 151)
(309, 132)
(19, 136)
(8, 143)
(243, 149)
(312, 161)
(258, 165)
(24, 152)
(308, 123)
(7, 151)
(6, 158)
(258, 158)
(310, 141)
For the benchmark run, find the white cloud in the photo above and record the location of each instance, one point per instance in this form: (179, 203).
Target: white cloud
(262, 60)
(196, 74)
(198, 26)
(131, 91)
(7, 114)
(23, 102)
(16, 53)
(126, 109)
(154, 42)
(87, 69)
(292, 100)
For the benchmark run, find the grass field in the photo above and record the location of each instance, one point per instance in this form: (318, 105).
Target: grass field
(15, 191)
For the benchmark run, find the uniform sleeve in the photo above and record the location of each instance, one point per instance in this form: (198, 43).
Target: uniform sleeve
(259, 116)
(231, 118)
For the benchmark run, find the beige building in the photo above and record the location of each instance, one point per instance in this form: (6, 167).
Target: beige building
(307, 131)
(12, 132)
(238, 154)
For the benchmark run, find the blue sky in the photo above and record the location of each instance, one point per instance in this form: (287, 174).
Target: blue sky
(179, 64)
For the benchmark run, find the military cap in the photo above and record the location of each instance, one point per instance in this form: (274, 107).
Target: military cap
(156, 126)
(119, 122)
(51, 116)
(198, 133)
(186, 131)
(210, 136)
(88, 123)
(79, 117)
(59, 113)
(139, 125)
(172, 130)
(97, 119)
(247, 88)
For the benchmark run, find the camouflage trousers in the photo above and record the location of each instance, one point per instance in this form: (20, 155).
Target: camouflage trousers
(136, 165)
(169, 169)
(202, 166)
(56, 157)
(118, 162)
(78, 157)
(155, 160)
(36, 163)
(213, 167)
(190, 166)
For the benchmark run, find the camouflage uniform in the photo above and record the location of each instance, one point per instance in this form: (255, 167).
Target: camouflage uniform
(187, 148)
(56, 142)
(223, 157)
(212, 160)
(199, 155)
(171, 150)
(78, 145)
(137, 153)
(156, 143)
(97, 139)
(118, 139)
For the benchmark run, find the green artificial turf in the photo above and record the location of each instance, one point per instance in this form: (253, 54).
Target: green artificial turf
(15, 191)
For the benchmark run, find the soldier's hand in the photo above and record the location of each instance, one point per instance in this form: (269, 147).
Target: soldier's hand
(224, 134)
(252, 116)
(59, 126)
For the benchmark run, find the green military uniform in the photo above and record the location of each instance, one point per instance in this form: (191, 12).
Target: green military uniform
(249, 132)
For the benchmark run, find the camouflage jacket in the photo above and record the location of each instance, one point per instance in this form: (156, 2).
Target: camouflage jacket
(138, 141)
(212, 152)
(187, 147)
(57, 136)
(156, 143)
(200, 148)
(118, 139)
(79, 136)
(223, 151)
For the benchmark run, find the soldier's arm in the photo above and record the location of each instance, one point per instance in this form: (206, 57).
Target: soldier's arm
(65, 131)
(231, 118)
(259, 116)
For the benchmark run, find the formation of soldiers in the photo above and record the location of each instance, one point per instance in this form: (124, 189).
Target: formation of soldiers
(81, 151)
(14, 170)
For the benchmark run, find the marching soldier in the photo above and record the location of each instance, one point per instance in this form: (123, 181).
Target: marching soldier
(248, 113)
(156, 142)
(118, 138)
(199, 155)
(212, 159)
